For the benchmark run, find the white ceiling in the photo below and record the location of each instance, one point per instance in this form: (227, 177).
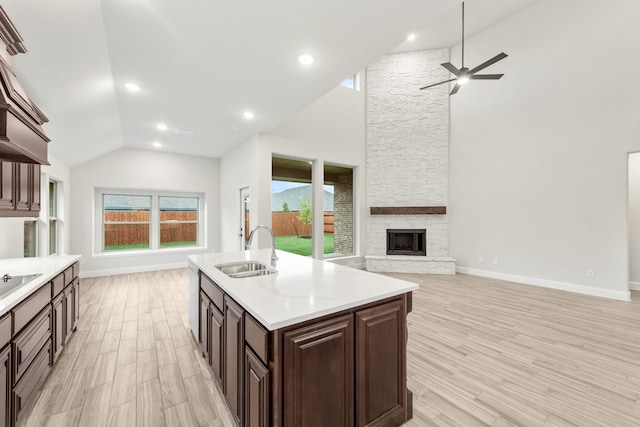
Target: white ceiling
(202, 63)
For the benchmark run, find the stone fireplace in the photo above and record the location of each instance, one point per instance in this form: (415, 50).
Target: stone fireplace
(408, 162)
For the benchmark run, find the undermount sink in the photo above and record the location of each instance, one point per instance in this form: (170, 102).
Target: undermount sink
(242, 269)
(9, 283)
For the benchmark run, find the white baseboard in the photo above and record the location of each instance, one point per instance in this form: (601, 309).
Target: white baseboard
(634, 285)
(570, 287)
(129, 270)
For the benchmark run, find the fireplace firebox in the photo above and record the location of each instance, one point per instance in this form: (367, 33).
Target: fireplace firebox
(407, 242)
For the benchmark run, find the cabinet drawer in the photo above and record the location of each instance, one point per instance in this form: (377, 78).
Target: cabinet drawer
(26, 390)
(257, 337)
(27, 344)
(76, 269)
(68, 275)
(212, 290)
(58, 284)
(5, 329)
(29, 308)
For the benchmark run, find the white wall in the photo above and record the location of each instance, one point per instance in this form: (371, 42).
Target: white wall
(538, 160)
(634, 220)
(12, 229)
(331, 130)
(140, 169)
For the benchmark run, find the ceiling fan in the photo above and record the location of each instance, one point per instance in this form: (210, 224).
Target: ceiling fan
(464, 74)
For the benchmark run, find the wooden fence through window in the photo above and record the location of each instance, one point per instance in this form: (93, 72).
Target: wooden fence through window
(288, 224)
(135, 234)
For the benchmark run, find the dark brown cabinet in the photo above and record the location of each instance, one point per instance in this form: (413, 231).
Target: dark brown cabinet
(345, 369)
(68, 312)
(204, 325)
(19, 189)
(381, 365)
(5, 385)
(216, 336)
(7, 189)
(257, 394)
(58, 329)
(233, 379)
(318, 374)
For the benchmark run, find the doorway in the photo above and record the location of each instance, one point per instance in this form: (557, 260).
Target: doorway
(245, 217)
(634, 220)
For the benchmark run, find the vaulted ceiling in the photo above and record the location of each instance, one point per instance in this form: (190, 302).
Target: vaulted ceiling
(201, 64)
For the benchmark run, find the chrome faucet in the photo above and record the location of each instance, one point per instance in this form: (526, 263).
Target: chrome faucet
(274, 258)
(6, 278)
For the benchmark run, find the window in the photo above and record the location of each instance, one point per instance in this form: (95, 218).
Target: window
(147, 220)
(338, 211)
(127, 222)
(30, 237)
(353, 82)
(178, 221)
(53, 217)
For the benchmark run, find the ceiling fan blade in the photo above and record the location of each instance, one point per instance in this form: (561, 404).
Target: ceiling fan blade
(452, 69)
(485, 76)
(492, 61)
(436, 84)
(455, 89)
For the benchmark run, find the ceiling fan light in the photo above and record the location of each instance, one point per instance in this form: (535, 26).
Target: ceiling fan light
(462, 80)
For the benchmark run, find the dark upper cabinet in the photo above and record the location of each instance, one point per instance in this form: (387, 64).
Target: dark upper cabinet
(20, 189)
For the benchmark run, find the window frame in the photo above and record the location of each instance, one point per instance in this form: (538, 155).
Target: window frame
(160, 221)
(52, 217)
(154, 231)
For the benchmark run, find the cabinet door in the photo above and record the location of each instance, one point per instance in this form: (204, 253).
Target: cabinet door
(318, 374)
(23, 179)
(68, 312)
(256, 391)
(58, 326)
(381, 365)
(76, 302)
(203, 339)
(233, 384)
(216, 333)
(34, 188)
(5, 386)
(7, 194)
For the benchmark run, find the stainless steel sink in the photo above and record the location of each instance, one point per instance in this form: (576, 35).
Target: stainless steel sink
(10, 283)
(241, 269)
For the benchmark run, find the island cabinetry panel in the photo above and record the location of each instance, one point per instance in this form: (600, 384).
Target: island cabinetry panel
(216, 336)
(257, 395)
(318, 374)
(381, 365)
(233, 381)
(68, 307)
(28, 343)
(25, 391)
(203, 339)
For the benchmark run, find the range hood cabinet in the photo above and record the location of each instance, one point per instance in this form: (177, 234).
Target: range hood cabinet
(21, 136)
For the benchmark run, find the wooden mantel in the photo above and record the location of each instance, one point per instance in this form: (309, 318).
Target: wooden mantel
(409, 210)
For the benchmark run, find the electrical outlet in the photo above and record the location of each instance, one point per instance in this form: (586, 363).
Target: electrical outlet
(494, 261)
(480, 259)
(591, 273)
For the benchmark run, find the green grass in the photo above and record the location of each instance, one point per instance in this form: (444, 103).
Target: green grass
(300, 246)
(126, 247)
(146, 246)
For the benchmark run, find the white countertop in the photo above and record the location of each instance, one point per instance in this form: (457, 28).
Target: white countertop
(48, 266)
(303, 289)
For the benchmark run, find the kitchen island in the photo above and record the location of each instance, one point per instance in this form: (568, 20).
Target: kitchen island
(315, 344)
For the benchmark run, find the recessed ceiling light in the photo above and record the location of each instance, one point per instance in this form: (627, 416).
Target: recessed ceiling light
(162, 127)
(157, 144)
(411, 37)
(132, 87)
(306, 59)
(248, 115)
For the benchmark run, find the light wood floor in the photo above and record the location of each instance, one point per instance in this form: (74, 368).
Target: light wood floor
(481, 352)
